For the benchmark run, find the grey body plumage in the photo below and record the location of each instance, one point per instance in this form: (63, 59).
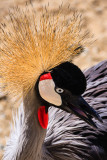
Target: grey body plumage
(67, 137)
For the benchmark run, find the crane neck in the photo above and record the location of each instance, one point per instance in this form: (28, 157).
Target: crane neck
(28, 136)
(34, 133)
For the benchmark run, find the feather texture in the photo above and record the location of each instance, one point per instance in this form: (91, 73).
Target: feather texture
(32, 45)
(68, 137)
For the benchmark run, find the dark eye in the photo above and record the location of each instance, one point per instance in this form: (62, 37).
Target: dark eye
(59, 90)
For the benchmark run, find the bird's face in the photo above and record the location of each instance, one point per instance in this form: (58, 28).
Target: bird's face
(62, 87)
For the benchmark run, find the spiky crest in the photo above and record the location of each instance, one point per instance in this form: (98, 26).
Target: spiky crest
(32, 45)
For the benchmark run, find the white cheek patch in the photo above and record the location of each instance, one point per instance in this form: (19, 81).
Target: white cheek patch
(47, 92)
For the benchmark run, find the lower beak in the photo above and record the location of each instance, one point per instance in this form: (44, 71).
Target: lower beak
(82, 109)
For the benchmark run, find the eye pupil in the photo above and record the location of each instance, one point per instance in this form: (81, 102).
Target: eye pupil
(59, 90)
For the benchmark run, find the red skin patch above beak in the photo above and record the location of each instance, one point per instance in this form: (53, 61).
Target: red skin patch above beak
(43, 117)
(46, 76)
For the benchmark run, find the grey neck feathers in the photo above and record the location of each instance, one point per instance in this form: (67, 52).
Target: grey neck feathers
(27, 138)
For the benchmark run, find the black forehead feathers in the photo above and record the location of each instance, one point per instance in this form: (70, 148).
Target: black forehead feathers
(69, 76)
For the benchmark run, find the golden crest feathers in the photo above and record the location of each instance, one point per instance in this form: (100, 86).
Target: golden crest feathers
(31, 45)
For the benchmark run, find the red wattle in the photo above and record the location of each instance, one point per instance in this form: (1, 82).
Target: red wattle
(46, 76)
(43, 117)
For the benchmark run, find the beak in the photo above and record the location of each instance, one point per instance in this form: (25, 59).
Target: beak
(82, 109)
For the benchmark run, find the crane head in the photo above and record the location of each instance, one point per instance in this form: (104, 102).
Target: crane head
(40, 53)
(62, 87)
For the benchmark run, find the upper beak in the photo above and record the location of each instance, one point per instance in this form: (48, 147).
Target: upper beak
(82, 109)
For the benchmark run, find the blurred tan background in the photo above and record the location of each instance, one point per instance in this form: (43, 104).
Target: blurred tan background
(95, 17)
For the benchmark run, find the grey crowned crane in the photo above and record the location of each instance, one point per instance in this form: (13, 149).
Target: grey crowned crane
(36, 67)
